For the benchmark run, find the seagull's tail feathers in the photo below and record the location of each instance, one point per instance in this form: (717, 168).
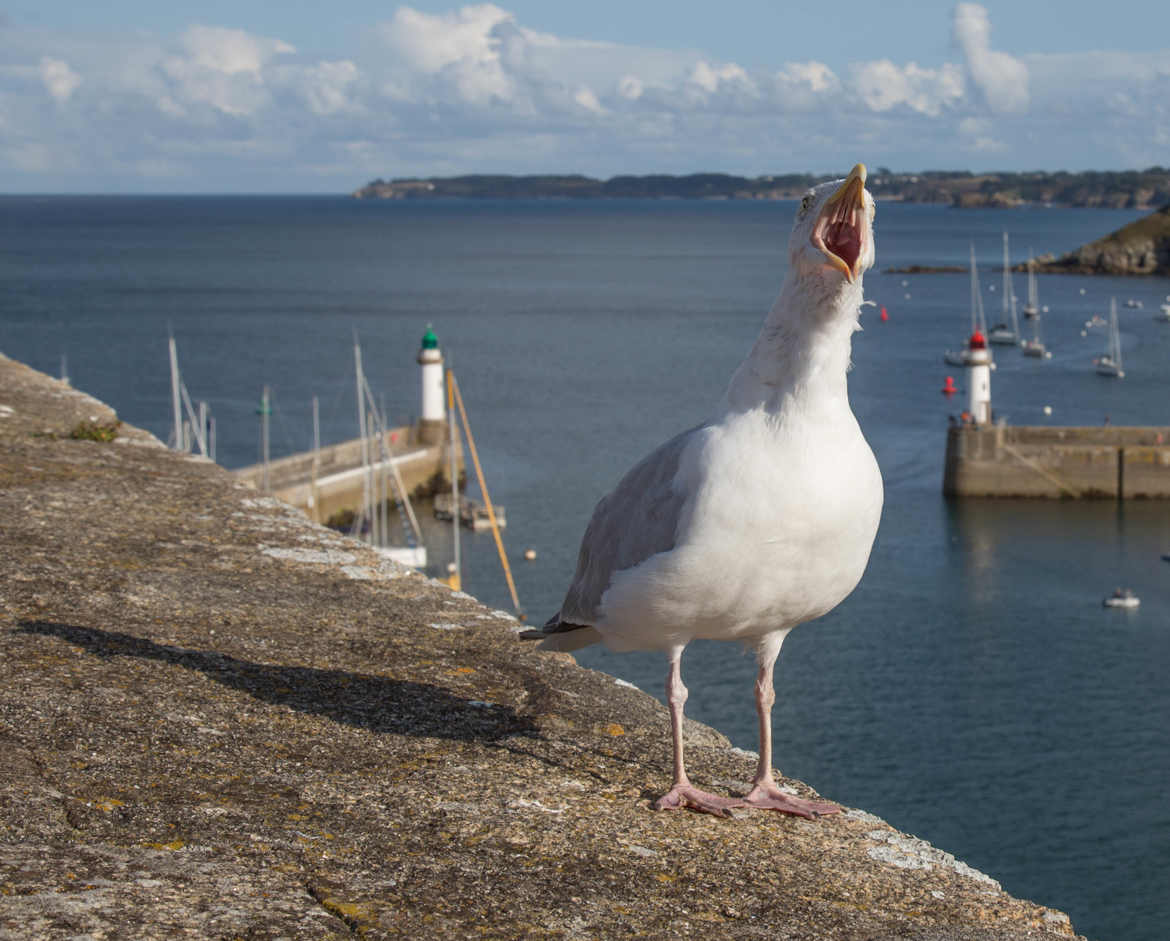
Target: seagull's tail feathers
(563, 636)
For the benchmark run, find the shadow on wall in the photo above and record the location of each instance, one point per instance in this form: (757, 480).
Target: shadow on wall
(376, 703)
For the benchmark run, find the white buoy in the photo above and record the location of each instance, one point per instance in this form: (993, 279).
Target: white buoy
(1047, 409)
(430, 357)
(529, 554)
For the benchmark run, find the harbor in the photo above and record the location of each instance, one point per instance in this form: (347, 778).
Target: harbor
(354, 479)
(988, 457)
(966, 666)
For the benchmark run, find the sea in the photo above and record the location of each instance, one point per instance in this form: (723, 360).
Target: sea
(972, 690)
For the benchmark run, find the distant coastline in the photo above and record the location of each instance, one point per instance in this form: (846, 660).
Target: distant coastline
(1128, 189)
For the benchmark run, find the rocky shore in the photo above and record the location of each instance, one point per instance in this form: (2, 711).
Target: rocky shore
(1140, 248)
(219, 720)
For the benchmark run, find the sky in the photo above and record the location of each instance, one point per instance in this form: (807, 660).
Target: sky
(136, 96)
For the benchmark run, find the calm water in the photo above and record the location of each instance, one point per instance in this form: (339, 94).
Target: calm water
(971, 691)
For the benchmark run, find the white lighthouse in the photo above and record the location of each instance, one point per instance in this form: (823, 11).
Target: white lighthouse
(433, 417)
(978, 362)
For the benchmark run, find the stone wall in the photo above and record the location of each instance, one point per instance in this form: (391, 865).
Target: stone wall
(219, 720)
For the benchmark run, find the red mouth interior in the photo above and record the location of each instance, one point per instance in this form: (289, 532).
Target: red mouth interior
(841, 233)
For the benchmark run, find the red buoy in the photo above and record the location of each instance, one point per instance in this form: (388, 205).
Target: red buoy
(885, 316)
(949, 386)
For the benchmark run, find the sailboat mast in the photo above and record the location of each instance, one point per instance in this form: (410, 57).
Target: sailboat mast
(974, 290)
(457, 575)
(1007, 280)
(362, 431)
(316, 467)
(1114, 332)
(176, 404)
(265, 411)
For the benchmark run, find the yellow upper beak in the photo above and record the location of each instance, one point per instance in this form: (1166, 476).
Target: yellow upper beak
(853, 186)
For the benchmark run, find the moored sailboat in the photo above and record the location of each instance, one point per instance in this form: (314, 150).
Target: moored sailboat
(961, 356)
(1109, 363)
(1007, 331)
(1032, 308)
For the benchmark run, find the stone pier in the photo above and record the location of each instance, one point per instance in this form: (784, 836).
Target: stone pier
(1115, 463)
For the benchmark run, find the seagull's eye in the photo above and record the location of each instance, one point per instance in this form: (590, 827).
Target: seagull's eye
(806, 203)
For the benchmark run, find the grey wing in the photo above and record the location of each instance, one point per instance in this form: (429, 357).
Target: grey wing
(638, 519)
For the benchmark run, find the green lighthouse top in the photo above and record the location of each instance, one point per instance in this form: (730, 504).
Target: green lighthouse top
(429, 340)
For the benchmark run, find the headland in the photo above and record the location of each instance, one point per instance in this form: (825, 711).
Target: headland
(962, 189)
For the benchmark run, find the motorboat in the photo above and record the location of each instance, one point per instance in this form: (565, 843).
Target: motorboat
(1121, 598)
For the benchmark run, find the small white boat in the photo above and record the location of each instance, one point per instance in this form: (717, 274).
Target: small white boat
(1165, 315)
(1121, 598)
(1036, 349)
(413, 556)
(1132, 303)
(1109, 363)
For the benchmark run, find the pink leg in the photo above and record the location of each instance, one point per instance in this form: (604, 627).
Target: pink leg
(683, 794)
(764, 792)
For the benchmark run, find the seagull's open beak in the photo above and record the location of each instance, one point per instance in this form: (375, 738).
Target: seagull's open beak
(842, 228)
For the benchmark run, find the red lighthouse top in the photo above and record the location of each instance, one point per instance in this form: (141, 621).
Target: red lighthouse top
(978, 341)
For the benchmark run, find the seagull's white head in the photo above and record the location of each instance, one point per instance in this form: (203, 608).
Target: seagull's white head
(832, 238)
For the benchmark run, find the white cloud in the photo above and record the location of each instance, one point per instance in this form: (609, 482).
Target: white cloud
(327, 86)
(816, 76)
(466, 48)
(716, 78)
(60, 80)
(882, 85)
(588, 100)
(230, 51)
(473, 89)
(630, 87)
(222, 68)
(1002, 79)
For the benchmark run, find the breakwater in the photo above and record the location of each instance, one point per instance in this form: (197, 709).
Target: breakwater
(334, 478)
(219, 719)
(1117, 463)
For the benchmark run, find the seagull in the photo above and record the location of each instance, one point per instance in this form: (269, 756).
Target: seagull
(756, 520)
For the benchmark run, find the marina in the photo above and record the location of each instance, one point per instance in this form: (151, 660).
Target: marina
(409, 462)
